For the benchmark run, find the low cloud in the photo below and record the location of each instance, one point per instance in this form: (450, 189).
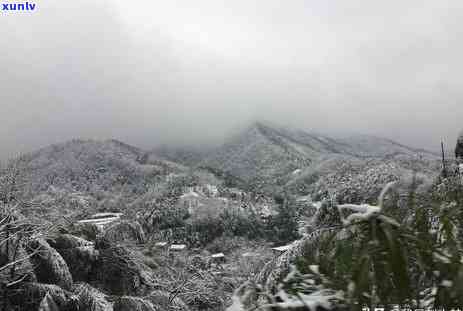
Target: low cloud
(191, 72)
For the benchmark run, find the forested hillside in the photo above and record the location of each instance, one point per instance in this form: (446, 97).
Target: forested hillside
(274, 218)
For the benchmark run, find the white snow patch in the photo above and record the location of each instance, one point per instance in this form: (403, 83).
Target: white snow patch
(321, 298)
(98, 220)
(305, 198)
(189, 195)
(105, 215)
(283, 248)
(314, 268)
(362, 212)
(446, 283)
(177, 247)
(297, 171)
(317, 204)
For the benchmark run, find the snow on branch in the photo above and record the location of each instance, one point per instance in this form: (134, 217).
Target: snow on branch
(364, 212)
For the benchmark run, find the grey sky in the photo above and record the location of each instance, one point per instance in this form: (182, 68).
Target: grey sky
(149, 72)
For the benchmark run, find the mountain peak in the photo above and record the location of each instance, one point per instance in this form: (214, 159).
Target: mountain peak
(268, 125)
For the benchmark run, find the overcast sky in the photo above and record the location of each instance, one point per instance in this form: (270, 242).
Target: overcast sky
(150, 72)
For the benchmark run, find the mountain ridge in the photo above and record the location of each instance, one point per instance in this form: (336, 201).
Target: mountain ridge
(271, 153)
(261, 155)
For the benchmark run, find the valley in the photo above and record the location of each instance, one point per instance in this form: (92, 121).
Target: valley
(120, 228)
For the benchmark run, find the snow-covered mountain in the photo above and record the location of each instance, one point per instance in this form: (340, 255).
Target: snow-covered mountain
(353, 179)
(186, 155)
(82, 164)
(263, 157)
(267, 154)
(373, 146)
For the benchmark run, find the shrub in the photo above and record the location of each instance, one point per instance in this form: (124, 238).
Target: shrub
(372, 260)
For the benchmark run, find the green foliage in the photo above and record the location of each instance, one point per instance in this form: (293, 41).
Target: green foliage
(202, 231)
(231, 222)
(283, 227)
(241, 223)
(328, 215)
(376, 260)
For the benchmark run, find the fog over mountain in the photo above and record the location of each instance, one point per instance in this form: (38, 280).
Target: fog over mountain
(155, 72)
(235, 155)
